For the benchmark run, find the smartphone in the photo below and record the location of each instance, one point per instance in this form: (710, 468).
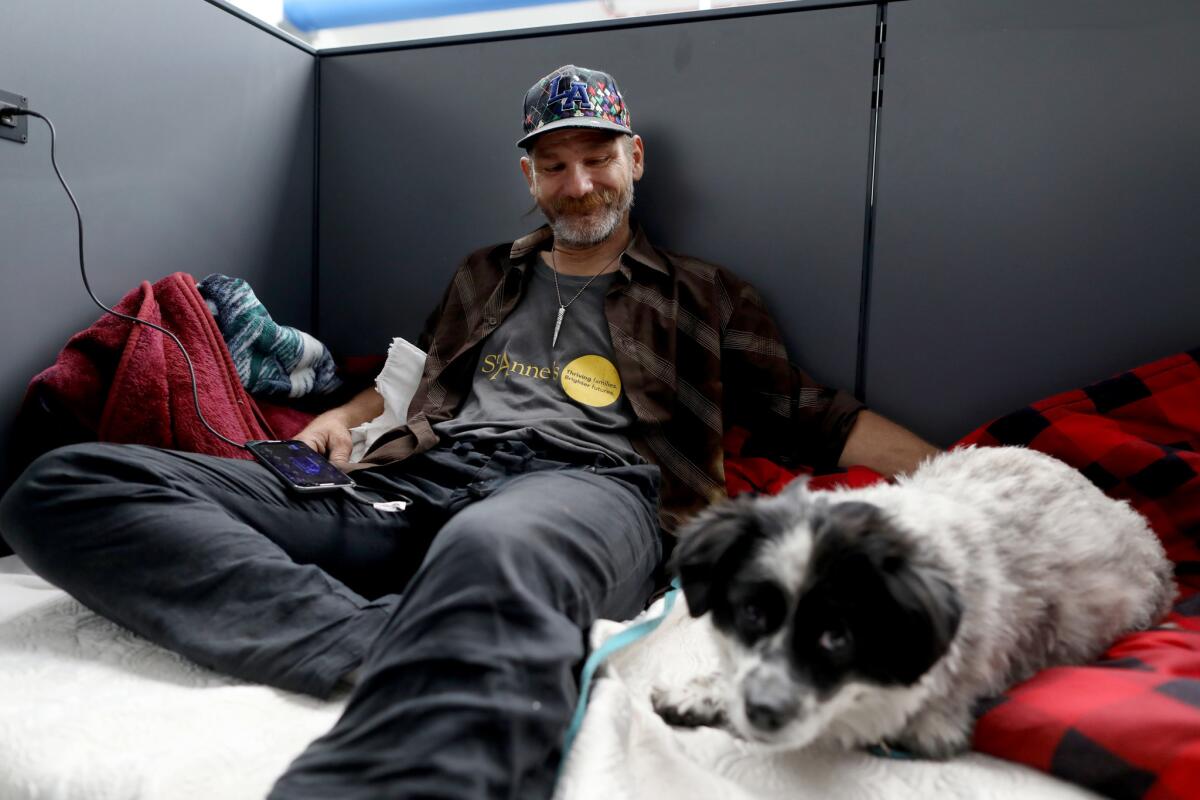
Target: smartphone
(301, 468)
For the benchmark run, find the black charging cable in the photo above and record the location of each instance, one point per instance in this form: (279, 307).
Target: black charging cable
(16, 112)
(9, 112)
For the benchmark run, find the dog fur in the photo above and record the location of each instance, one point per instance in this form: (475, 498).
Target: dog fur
(884, 614)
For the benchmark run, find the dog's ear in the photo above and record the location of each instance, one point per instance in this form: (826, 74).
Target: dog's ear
(912, 608)
(924, 617)
(710, 548)
(854, 519)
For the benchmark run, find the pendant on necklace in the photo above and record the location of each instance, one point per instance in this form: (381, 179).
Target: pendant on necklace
(557, 325)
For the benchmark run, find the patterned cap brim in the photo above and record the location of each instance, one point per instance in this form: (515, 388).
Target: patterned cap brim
(573, 122)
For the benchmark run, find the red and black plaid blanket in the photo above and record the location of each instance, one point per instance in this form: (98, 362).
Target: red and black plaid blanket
(1127, 726)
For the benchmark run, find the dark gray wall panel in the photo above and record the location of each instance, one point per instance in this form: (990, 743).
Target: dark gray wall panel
(1036, 225)
(756, 134)
(187, 136)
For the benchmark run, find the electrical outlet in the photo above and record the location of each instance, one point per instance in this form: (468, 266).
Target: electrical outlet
(14, 128)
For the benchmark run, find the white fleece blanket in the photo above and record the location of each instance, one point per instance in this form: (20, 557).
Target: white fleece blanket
(88, 711)
(625, 751)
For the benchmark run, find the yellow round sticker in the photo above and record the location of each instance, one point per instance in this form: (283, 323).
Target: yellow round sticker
(592, 380)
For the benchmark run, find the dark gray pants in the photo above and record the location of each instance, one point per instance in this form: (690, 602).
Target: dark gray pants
(466, 613)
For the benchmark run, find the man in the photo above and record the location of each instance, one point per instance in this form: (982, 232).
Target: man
(567, 374)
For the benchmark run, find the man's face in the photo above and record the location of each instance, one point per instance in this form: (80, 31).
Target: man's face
(582, 181)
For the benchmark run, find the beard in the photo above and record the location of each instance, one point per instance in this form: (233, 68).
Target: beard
(588, 220)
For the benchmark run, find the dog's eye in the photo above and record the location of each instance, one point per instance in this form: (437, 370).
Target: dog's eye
(834, 640)
(756, 609)
(753, 619)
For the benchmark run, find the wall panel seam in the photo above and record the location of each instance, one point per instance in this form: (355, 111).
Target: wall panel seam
(868, 244)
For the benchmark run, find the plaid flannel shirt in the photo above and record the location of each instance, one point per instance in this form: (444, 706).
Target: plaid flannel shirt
(697, 352)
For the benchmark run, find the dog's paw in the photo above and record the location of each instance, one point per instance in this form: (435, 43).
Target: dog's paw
(697, 703)
(935, 734)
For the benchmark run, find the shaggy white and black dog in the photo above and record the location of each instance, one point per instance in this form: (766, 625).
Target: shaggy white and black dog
(883, 614)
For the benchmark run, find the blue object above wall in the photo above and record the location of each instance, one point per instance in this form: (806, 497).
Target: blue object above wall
(313, 15)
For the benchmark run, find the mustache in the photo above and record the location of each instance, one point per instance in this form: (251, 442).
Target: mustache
(586, 204)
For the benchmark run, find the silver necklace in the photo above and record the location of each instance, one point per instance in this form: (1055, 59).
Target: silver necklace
(562, 309)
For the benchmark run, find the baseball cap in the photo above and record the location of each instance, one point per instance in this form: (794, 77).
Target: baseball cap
(574, 97)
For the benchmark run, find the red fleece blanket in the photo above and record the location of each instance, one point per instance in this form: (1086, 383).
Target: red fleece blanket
(1127, 726)
(118, 381)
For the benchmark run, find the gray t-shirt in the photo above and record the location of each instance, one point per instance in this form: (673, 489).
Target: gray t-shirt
(569, 397)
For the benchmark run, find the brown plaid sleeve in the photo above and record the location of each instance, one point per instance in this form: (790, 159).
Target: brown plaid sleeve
(791, 417)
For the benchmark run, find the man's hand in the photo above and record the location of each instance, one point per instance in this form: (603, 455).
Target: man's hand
(330, 433)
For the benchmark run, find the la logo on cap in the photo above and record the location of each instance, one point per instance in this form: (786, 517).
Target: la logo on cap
(576, 95)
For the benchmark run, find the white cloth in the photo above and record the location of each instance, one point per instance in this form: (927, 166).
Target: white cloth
(397, 382)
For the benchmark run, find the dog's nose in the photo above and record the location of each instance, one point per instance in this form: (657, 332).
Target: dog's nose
(770, 705)
(765, 717)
